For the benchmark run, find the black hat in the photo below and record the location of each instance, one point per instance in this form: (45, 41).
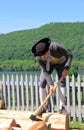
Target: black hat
(41, 47)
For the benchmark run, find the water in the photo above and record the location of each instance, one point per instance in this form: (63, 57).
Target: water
(81, 72)
(20, 72)
(14, 73)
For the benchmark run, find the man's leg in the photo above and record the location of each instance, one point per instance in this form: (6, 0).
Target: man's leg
(61, 93)
(42, 92)
(45, 79)
(61, 89)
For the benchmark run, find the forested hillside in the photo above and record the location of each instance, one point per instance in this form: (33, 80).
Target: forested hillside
(15, 47)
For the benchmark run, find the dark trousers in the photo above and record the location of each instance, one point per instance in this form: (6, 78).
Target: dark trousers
(45, 77)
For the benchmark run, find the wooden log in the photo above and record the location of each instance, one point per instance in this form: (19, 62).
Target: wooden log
(41, 125)
(1, 104)
(22, 115)
(25, 124)
(7, 124)
(31, 125)
(58, 121)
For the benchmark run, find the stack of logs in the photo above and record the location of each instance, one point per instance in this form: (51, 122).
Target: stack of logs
(13, 120)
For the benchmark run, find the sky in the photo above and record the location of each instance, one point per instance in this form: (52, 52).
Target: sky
(29, 14)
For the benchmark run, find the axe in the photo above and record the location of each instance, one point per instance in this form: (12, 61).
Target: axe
(33, 116)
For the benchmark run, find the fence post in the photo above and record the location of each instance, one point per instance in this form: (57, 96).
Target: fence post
(17, 93)
(1, 100)
(68, 93)
(13, 91)
(9, 96)
(27, 92)
(36, 85)
(79, 98)
(31, 92)
(22, 92)
(73, 97)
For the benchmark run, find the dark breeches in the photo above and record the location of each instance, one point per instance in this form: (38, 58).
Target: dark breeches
(45, 77)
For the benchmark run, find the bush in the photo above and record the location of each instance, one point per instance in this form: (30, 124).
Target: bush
(73, 71)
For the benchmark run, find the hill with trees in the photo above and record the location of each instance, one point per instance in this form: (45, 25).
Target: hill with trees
(15, 47)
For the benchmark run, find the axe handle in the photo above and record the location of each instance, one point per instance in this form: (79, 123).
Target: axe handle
(46, 99)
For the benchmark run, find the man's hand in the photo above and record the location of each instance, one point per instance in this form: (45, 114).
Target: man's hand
(52, 89)
(64, 73)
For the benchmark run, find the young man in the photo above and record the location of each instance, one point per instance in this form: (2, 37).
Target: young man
(52, 56)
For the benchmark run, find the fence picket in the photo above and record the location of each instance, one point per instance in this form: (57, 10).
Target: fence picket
(17, 93)
(13, 91)
(27, 92)
(8, 89)
(31, 93)
(79, 98)
(36, 85)
(68, 94)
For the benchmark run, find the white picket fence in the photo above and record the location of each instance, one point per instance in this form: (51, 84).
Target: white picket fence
(20, 92)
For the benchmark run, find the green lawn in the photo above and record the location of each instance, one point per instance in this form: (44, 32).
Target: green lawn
(77, 124)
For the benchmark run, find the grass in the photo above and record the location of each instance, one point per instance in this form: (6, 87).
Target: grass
(77, 124)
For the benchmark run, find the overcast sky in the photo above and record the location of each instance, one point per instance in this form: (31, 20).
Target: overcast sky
(28, 14)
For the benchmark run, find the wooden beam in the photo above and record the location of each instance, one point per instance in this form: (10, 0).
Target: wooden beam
(7, 124)
(58, 121)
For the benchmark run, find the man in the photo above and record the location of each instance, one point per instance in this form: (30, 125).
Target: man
(52, 56)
